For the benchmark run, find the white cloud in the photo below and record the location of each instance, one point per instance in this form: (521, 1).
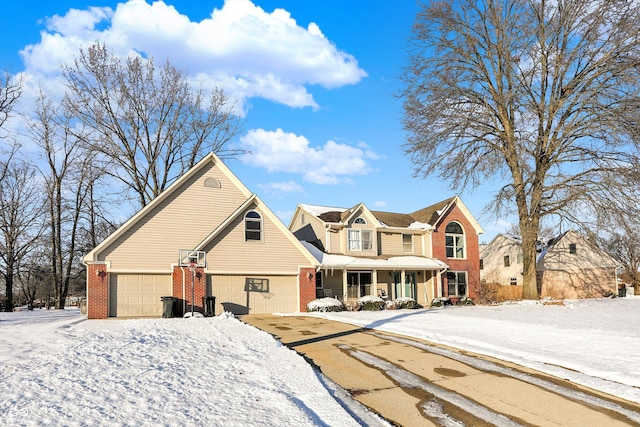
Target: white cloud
(380, 204)
(280, 189)
(241, 48)
(279, 151)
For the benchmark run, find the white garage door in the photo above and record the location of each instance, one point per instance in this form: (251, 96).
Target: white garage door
(138, 295)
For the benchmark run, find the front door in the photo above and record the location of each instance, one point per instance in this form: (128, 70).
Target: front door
(410, 285)
(359, 283)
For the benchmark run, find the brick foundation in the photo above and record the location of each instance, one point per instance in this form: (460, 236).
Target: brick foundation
(180, 273)
(97, 291)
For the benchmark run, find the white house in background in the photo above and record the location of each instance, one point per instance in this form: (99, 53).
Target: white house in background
(568, 266)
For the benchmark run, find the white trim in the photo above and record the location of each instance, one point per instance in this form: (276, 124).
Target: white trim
(255, 273)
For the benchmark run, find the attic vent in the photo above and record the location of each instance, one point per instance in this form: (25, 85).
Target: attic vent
(212, 182)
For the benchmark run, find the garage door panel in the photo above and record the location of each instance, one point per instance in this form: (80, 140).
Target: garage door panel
(138, 295)
(240, 294)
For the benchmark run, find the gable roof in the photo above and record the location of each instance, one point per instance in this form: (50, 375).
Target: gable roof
(425, 218)
(250, 197)
(552, 243)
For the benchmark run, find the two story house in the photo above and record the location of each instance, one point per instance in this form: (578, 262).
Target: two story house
(426, 254)
(567, 266)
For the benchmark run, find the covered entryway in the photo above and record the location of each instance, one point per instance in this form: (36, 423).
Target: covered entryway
(137, 295)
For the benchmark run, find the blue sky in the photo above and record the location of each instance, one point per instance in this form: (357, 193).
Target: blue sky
(316, 81)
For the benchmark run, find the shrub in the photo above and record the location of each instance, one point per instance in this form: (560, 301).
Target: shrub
(487, 292)
(371, 303)
(405, 302)
(466, 301)
(440, 302)
(325, 305)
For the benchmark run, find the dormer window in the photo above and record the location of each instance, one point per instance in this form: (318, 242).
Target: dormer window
(252, 226)
(360, 220)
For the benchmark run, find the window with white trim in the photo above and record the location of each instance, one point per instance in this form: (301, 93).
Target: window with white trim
(360, 220)
(457, 283)
(360, 240)
(252, 226)
(454, 238)
(407, 243)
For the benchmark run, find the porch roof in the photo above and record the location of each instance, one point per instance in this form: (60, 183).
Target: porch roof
(341, 262)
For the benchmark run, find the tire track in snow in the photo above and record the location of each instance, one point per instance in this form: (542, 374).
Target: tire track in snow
(432, 408)
(488, 366)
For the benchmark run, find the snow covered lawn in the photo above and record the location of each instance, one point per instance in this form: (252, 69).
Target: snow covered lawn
(594, 342)
(60, 369)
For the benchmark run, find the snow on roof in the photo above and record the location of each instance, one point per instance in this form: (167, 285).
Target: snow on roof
(333, 261)
(420, 226)
(319, 210)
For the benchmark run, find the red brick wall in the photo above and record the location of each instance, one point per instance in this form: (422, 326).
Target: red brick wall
(471, 264)
(199, 285)
(307, 287)
(97, 291)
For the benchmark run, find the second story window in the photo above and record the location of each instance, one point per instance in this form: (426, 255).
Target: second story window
(454, 236)
(407, 243)
(507, 261)
(360, 220)
(360, 240)
(573, 249)
(252, 226)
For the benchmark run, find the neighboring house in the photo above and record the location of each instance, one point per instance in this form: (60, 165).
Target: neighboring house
(423, 255)
(501, 260)
(568, 266)
(254, 264)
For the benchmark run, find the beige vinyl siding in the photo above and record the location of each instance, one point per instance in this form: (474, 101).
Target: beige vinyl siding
(312, 229)
(586, 257)
(275, 253)
(335, 244)
(391, 243)
(180, 221)
(137, 295)
(250, 294)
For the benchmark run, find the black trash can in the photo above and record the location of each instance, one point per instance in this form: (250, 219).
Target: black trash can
(168, 304)
(209, 304)
(622, 292)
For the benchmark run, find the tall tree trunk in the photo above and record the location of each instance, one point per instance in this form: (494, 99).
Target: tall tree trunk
(8, 280)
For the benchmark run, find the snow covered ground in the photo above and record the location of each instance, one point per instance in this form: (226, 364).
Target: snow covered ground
(60, 369)
(594, 342)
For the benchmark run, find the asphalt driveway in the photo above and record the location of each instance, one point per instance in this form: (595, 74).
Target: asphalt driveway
(411, 382)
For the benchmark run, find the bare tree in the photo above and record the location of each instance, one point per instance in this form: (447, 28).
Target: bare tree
(541, 95)
(20, 219)
(616, 233)
(149, 122)
(69, 173)
(10, 91)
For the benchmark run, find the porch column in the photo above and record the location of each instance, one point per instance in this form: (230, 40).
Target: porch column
(402, 283)
(374, 285)
(344, 284)
(439, 284)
